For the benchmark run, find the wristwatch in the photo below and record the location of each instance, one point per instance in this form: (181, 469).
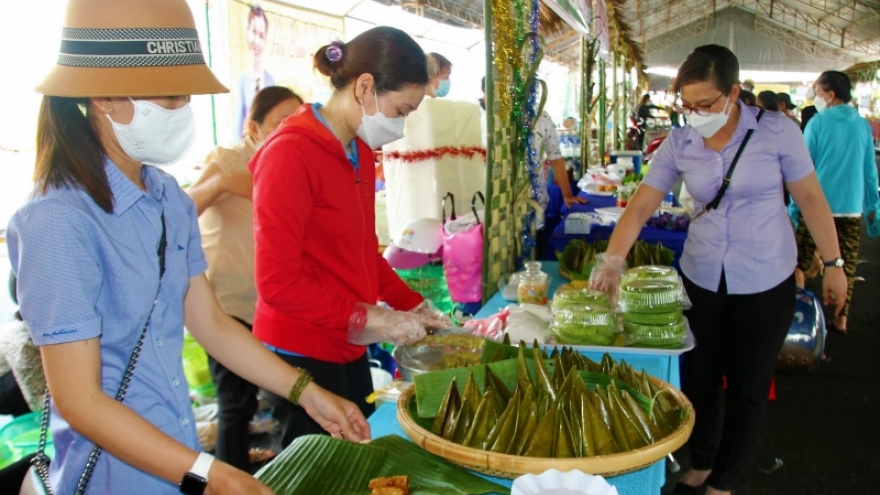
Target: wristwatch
(836, 262)
(195, 481)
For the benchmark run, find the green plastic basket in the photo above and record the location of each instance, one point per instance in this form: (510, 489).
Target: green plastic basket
(20, 438)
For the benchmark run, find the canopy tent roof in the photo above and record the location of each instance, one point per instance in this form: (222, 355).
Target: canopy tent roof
(734, 28)
(779, 35)
(788, 35)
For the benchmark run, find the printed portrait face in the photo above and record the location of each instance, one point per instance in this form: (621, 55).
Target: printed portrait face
(256, 35)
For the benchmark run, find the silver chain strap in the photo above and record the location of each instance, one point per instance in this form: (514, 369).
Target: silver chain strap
(41, 460)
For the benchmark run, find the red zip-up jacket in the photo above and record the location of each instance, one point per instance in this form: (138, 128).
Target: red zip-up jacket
(316, 252)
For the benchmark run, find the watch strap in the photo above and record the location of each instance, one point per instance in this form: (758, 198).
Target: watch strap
(836, 262)
(202, 465)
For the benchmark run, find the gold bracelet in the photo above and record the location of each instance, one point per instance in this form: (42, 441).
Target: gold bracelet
(298, 386)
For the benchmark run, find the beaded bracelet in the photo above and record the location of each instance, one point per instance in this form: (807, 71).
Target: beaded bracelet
(298, 386)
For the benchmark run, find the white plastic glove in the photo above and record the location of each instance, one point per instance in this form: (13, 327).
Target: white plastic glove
(431, 317)
(370, 324)
(606, 274)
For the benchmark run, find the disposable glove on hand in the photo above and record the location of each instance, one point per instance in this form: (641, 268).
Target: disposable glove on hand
(431, 317)
(607, 273)
(369, 324)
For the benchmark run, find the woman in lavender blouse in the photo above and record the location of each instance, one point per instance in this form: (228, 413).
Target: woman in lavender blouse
(739, 258)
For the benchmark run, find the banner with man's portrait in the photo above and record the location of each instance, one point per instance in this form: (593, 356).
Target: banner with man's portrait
(273, 44)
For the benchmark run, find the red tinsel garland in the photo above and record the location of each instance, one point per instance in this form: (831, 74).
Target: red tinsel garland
(435, 153)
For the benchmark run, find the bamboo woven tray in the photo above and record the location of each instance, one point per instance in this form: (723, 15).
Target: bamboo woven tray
(511, 466)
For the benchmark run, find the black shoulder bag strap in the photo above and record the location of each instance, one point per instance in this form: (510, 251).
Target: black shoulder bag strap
(41, 461)
(726, 182)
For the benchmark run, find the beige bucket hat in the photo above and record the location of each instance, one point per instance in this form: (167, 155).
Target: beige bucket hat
(130, 48)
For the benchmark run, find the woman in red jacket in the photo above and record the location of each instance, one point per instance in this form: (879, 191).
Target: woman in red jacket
(319, 274)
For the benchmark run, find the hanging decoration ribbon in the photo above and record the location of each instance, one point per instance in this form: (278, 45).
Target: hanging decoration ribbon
(516, 55)
(503, 54)
(527, 117)
(437, 153)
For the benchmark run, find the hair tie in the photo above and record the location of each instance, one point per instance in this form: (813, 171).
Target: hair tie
(334, 51)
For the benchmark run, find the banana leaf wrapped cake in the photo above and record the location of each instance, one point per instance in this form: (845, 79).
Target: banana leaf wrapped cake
(562, 406)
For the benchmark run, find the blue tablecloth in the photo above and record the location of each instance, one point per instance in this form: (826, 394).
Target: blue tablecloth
(556, 205)
(673, 239)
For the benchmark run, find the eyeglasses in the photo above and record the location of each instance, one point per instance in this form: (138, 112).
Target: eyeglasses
(702, 110)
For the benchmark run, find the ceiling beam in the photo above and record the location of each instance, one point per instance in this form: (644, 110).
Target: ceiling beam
(803, 24)
(798, 41)
(871, 47)
(564, 39)
(445, 9)
(851, 11)
(678, 35)
(675, 16)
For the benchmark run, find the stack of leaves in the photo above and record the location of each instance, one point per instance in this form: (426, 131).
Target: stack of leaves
(562, 406)
(579, 256)
(318, 464)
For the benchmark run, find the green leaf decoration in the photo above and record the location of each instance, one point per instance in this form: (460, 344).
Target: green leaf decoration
(318, 464)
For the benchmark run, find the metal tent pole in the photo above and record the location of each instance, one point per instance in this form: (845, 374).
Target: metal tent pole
(603, 117)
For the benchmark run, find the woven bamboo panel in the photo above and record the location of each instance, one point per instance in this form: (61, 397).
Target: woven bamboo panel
(511, 466)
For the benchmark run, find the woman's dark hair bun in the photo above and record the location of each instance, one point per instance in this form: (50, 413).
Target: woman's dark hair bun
(392, 57)
(322, 61)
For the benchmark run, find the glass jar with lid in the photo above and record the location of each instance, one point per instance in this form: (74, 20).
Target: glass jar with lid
(534, 285)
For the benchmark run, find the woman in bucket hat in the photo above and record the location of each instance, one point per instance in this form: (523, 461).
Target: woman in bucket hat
(110, 267)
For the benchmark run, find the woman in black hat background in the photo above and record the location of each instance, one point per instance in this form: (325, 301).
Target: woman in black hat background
(110, 266)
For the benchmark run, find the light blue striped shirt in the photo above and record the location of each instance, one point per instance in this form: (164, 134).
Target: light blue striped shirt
(84, 273)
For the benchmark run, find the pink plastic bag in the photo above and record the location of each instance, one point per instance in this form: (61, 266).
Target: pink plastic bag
(463, 252)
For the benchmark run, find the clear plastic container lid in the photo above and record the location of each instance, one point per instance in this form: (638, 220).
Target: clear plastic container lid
(579, 297)
(651, 272)
(585, 315)
(649, 295)
(654, 317)
(672, 331)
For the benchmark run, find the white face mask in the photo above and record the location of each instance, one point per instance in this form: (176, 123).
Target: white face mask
(156, 135)
(377, 130)
(820, 103)
(707, 126)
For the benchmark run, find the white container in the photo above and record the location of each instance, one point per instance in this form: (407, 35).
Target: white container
(555, 482)
(611, 213)
(381, 378)
(578, 223)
